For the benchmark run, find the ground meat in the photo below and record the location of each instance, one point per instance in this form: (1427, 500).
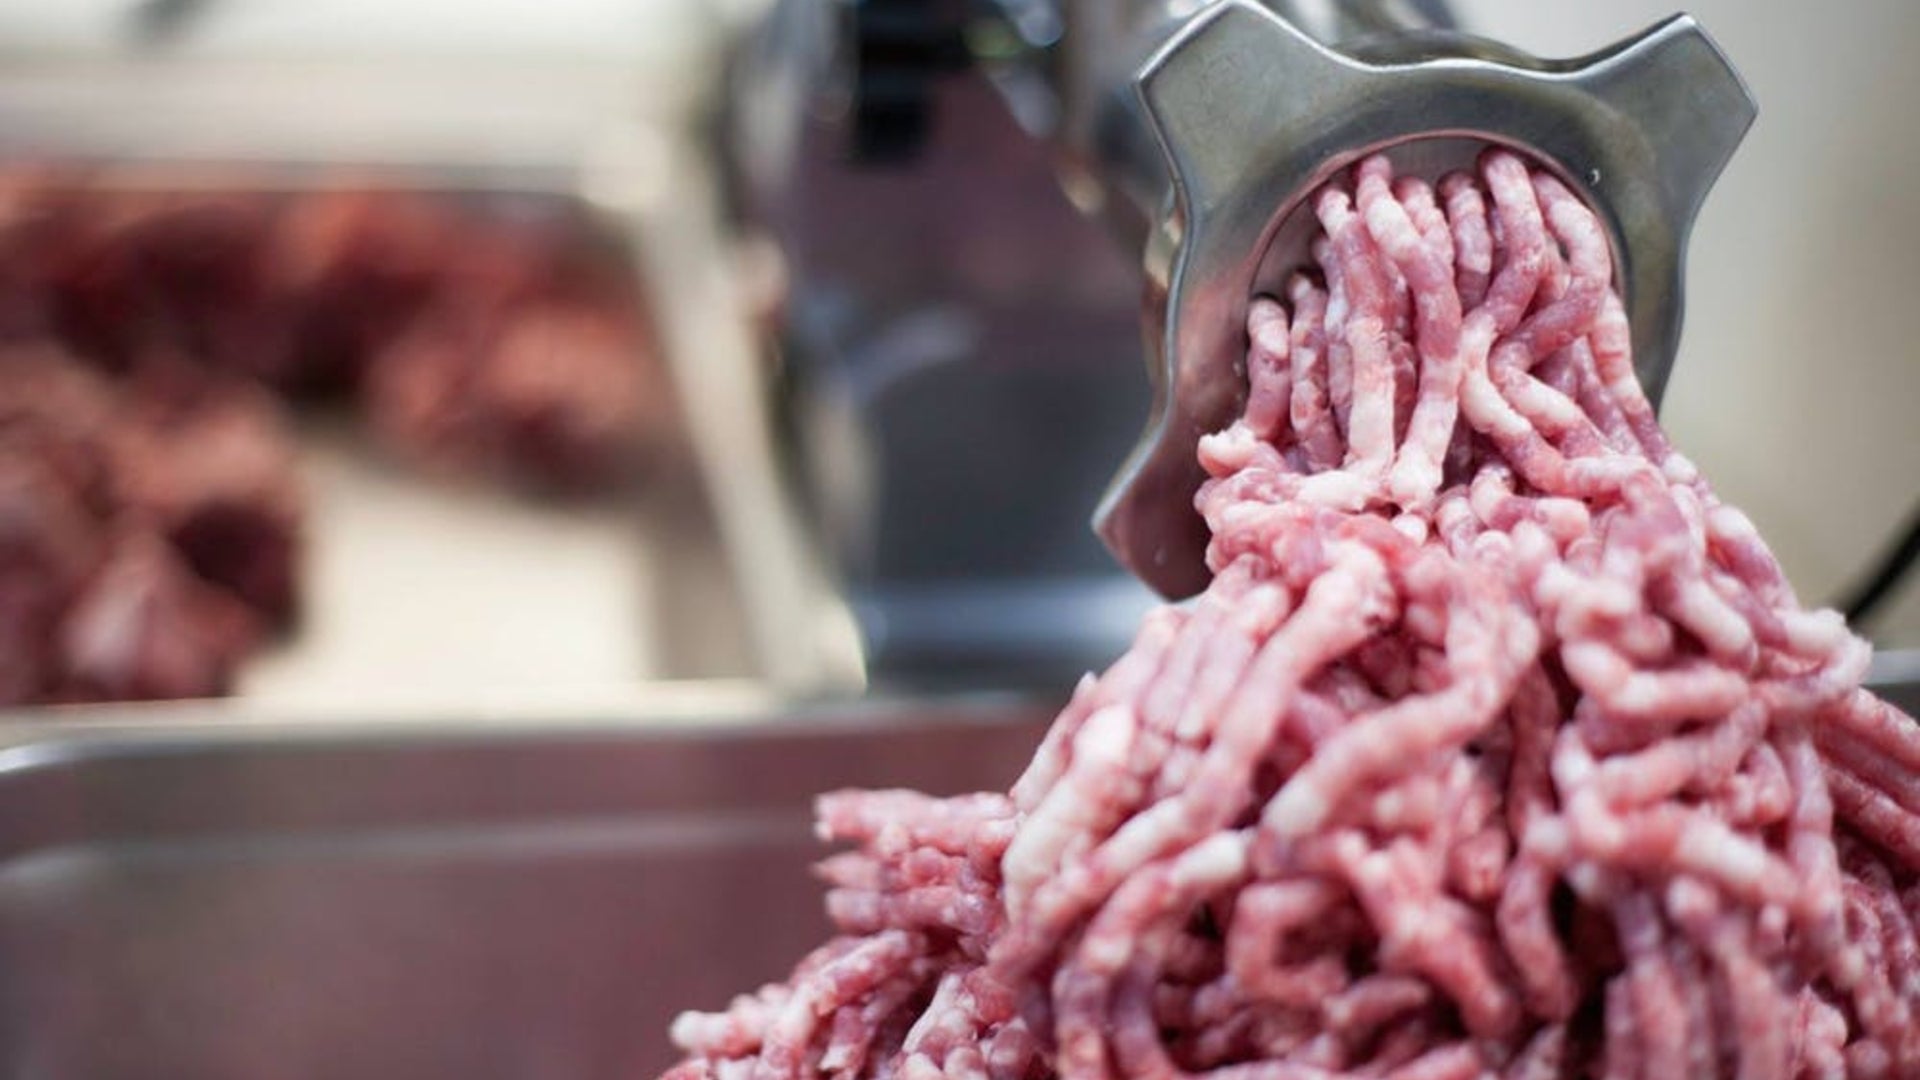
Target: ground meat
(150, 342)
(363, 264)
(149, 530)
(137, 274)
(528, 364)
(145, 627)
(209, 464)
(36, 233)
(1497, 746)
(59, 414)
(55, 490)
(47, 550)
(524, 354)
(546, 394)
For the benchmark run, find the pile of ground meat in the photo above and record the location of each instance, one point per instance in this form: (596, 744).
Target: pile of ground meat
(152, 344)
(148, 532)
(494, 337)
(1498, 746)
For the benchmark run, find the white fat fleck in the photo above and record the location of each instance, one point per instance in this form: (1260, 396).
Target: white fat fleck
(1547, 837)
(1608, 599)
(1412, 482)
(1815, 632)
(1270, 333)
(945, 1000)
(1687, 898)
(690, 1030)
(1215, 861)
(104, 639)
(1482, 403)
(1595, 827)
(1100, 750)
(920, 1066)
(1595, 668)
(1679, 470)
(1716, 849)
(1729, 523)
(1589, 881)
(1296, 810)
(1572, 765)
(1106, 951)
(1107, 738)
(1713, 620)
(1233, 448)
(966, 1063)
(1338, 490)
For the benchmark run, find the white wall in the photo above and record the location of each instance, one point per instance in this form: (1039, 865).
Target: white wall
(1798, 384)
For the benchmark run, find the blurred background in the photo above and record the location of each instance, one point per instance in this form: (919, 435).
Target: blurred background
(402, 255)
(533, 445)
(481, 475)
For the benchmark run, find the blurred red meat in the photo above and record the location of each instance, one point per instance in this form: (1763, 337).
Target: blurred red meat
(150, 509)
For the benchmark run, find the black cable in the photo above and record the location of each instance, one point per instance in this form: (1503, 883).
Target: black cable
(1860, 602)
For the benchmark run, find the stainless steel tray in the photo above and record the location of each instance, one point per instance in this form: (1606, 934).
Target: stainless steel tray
(217, 901)
(205, 893)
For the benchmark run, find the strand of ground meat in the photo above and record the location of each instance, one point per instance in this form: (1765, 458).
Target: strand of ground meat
(1497, 746)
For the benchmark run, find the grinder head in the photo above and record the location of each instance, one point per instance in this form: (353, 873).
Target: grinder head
(1253, 116)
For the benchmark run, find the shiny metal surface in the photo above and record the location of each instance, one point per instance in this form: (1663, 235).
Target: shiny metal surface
(186, 897)
(1252, 113)
(942, 322)
(955, 287)
(1115, 167)
(183, 897)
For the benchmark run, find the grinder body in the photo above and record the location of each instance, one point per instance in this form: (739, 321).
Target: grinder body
(1193, 133)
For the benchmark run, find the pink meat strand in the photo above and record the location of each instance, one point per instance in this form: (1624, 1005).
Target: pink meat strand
(1498, 745)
